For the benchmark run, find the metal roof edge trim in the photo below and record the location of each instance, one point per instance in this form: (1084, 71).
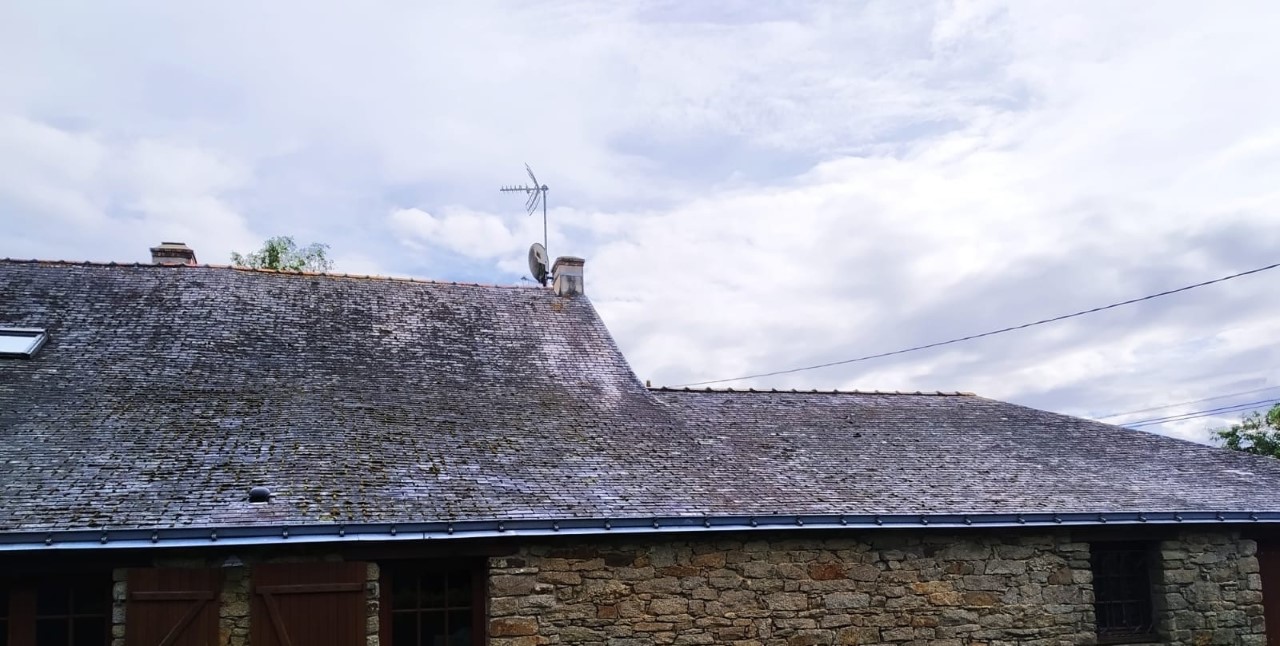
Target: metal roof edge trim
(442, 530)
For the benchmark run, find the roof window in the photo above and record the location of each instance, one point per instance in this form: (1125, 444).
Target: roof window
(21, 342)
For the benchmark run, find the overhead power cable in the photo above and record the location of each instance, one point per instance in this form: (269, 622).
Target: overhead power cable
(1235, 408)
(1187, 403)
(984, 334)
(1207, 411)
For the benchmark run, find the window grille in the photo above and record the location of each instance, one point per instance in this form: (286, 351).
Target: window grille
(431, 607)
(78, 614)
(56, 610)
(1122, 591)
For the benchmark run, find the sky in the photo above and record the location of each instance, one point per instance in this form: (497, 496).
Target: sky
(754, 186)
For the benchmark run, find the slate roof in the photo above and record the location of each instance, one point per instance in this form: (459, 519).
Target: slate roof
(165, 393)
(902, 453)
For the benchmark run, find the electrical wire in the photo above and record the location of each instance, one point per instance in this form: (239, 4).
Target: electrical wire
(984, 334)
(1156, 420)
(1235, 408)
(1187, 418)
(1183, 418)
(1186, 403)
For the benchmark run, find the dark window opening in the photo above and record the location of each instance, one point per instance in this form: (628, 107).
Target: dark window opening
(1122, 591)
(76, 613)
(435, 607)
(56, 612)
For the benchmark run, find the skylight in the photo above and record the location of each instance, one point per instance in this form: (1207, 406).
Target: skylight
(20, 342)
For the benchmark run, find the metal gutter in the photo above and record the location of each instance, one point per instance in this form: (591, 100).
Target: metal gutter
(334, 533)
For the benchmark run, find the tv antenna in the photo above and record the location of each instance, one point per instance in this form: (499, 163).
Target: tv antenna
(537, 194)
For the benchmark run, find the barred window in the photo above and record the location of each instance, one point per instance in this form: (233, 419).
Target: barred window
(435, 607)
(76, 613)
(1122, 591)
(56, 610)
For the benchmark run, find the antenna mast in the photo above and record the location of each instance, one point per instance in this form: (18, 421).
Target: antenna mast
(537, 194)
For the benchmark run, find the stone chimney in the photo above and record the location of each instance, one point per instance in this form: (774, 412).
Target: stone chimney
(567, 276)
(173, 253)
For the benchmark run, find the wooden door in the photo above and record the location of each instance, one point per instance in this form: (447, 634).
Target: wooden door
(308, 604)
(172, 607)
(1269, 560)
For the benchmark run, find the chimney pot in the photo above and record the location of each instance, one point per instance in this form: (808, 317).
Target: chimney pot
(567, 276)
(173, 253)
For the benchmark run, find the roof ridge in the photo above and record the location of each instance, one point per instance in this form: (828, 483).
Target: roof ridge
(814, 391)
(320, 274)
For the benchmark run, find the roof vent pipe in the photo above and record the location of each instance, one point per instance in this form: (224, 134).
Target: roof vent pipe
(173, 253)
(567, 276)
(259, 494)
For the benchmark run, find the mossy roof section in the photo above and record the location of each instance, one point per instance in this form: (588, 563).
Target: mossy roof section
(165, 393)
(957, 453)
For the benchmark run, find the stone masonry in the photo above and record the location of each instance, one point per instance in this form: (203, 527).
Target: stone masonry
(878, 588)
(1209, 591)
(882, 588)
(119, 595)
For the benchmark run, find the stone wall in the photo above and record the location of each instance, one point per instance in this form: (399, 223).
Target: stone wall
(883, 588)
(119, 595)
(1209, 591)
(879, 588)
(874, 588)
(233, 607)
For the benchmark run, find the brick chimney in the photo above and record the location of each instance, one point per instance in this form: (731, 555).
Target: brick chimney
(173, 253)
(567, 276)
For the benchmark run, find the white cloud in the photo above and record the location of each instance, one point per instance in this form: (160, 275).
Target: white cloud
(753, 189)
(167, 168)
(469, 233)
(81, 190)
(52, 177)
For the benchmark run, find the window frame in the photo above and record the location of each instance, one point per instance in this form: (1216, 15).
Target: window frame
(40, 336)
(476, 570)
(1119, 588)
(23, 613)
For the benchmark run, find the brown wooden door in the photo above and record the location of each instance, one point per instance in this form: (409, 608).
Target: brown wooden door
(172, 607)
(1269, 560)
(308, 604)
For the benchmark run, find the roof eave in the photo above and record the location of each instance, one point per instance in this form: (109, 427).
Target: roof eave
(334, 533)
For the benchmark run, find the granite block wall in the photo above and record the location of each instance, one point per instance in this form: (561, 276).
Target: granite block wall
(880, 588)
(875, 588)
(1209, 591)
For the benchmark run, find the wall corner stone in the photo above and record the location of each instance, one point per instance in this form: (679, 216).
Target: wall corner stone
(119, 602)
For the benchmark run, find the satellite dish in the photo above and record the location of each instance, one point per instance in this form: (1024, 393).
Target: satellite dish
(538, 263)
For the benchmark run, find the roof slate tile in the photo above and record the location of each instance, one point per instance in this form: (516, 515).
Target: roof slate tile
(165, 393)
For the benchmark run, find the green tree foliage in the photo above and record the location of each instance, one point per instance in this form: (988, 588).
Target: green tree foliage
(282, 254)
(1256, 433)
